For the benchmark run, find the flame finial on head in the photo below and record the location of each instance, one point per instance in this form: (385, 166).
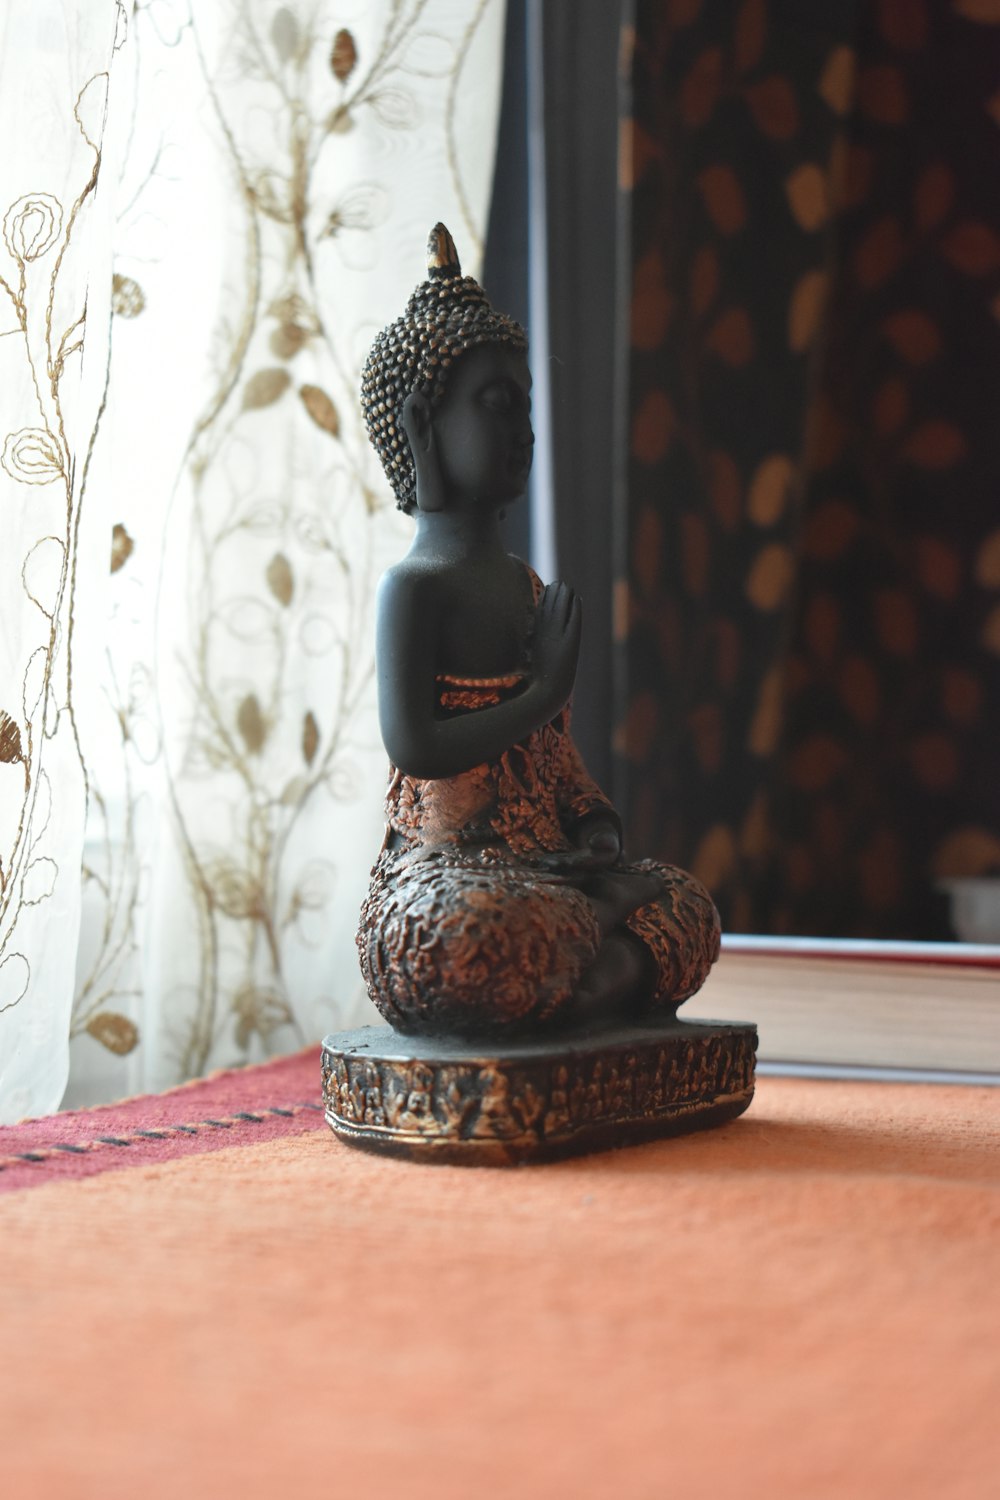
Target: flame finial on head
(442, 257)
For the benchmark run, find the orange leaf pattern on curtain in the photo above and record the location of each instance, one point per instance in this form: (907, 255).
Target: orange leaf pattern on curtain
(809, 621)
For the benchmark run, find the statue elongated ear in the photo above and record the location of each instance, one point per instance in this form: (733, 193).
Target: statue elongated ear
(418, 425)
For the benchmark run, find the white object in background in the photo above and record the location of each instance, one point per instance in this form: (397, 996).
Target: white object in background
(975, 907)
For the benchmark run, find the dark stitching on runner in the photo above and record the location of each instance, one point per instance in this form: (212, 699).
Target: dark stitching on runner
(46, 1153)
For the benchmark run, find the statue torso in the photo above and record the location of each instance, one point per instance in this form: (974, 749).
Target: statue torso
(485, 618)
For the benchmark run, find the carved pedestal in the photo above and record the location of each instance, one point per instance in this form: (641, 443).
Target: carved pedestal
(503, 1103)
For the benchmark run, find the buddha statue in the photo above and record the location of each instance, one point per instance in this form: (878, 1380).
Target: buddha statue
(501, 904)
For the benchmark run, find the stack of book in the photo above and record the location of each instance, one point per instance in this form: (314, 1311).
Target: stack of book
(830, 1005)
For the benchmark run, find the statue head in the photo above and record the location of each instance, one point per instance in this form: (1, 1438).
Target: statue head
(447, 315)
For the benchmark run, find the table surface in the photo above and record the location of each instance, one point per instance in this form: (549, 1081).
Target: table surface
(205, 1294)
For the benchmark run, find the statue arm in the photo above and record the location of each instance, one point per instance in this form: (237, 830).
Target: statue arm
(423, 744)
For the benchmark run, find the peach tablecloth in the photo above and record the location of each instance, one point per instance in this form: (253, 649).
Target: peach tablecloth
(805, 1303)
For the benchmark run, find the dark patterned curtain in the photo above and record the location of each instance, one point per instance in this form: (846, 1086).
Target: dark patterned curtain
(808, 607)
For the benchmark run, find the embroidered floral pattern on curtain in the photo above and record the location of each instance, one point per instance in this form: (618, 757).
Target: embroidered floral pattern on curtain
(277, 167)
(53, 290)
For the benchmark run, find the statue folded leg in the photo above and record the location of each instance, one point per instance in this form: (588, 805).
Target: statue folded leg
(681, 932)
(453, 941)
(475, 943)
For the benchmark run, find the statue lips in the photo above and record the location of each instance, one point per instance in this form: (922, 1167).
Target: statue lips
(519, 464)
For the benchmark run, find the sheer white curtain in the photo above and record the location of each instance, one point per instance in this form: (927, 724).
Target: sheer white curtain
(55, 61)
(270, 174)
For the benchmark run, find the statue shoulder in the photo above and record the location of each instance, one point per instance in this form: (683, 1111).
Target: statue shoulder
(411, 587)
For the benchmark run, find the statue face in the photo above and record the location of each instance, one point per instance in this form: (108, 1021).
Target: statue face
(482, 427)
